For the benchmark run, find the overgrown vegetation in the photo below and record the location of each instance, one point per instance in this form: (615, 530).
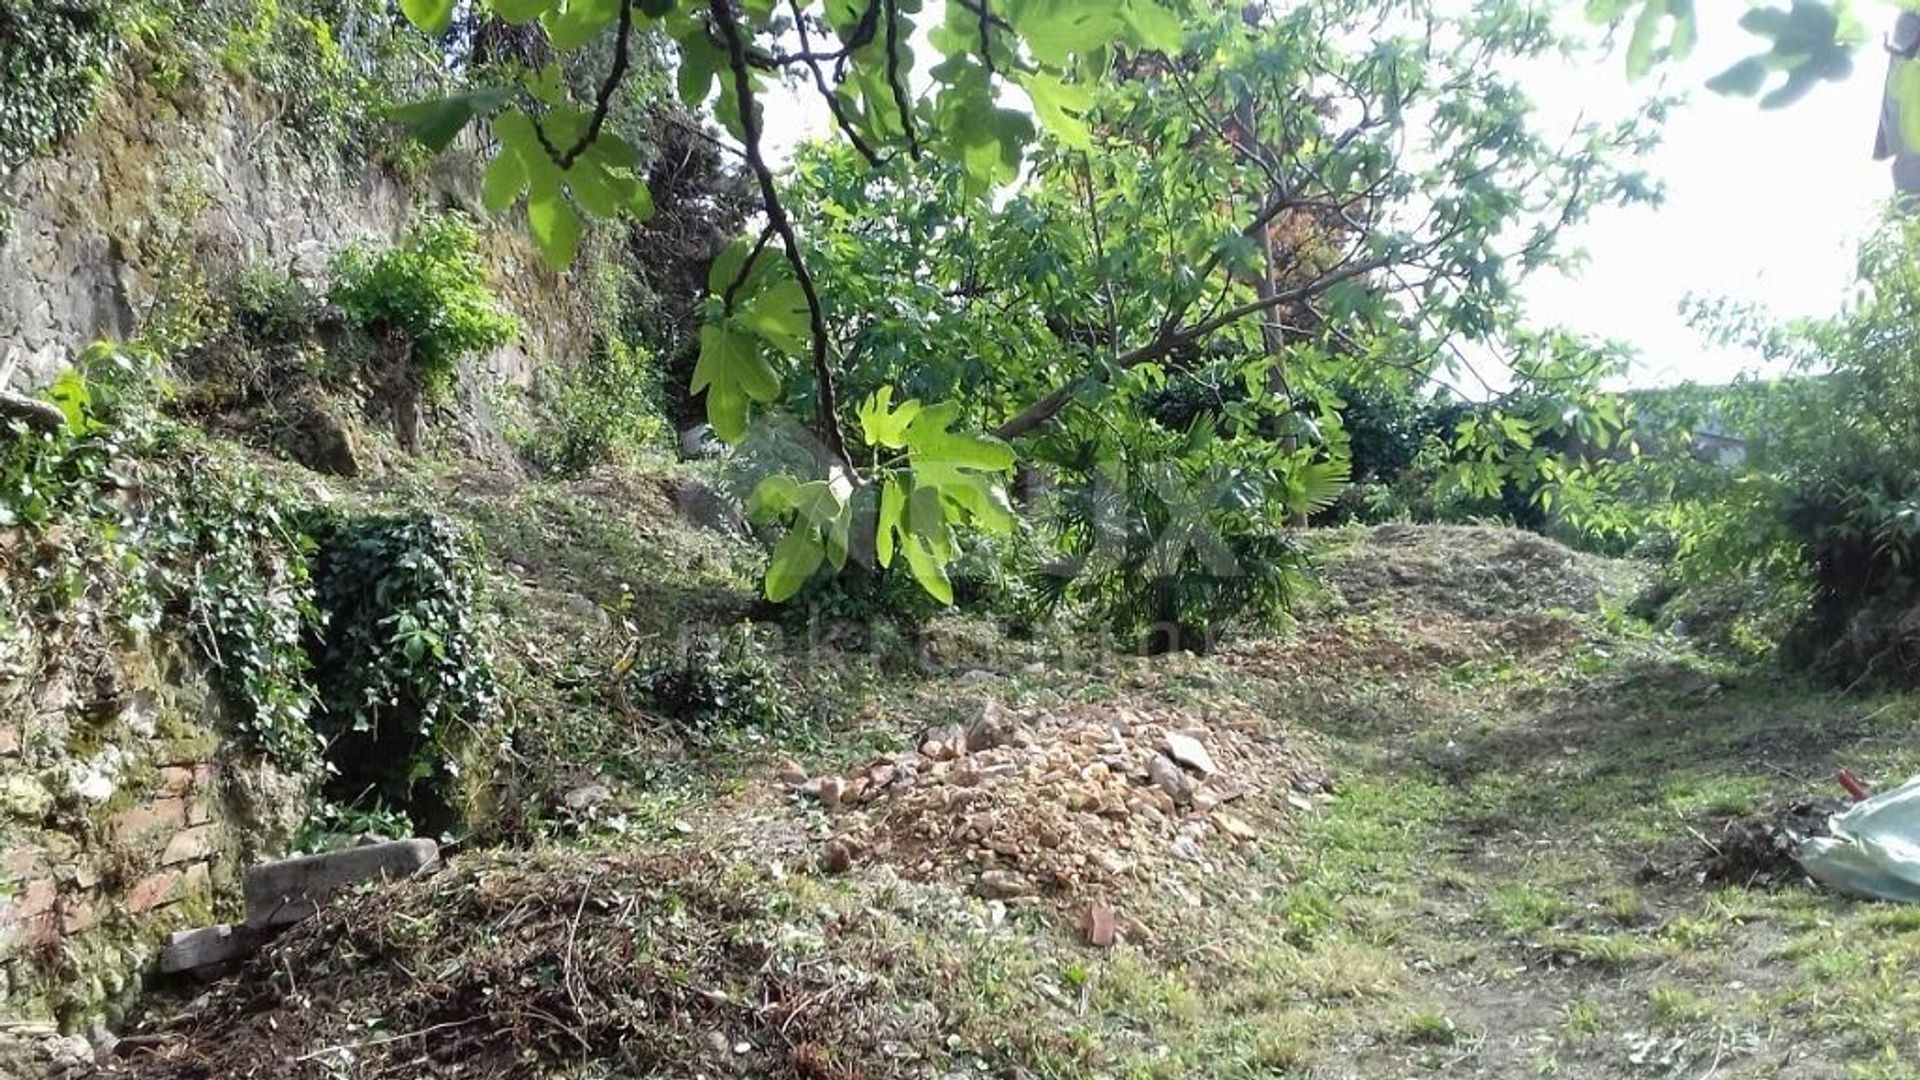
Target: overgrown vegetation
(399, 661)
(426, 304)
(53, 56)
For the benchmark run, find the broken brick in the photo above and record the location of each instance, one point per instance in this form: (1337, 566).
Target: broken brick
(161, 815)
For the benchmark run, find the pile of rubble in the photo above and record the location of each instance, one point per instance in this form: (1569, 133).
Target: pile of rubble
(1078, 801)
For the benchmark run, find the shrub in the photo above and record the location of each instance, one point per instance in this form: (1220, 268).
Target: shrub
(400, 659)
(53, 55)
(1183, 535)
(717, 684)
(431, 290)
(605, 408)
(1825, 504)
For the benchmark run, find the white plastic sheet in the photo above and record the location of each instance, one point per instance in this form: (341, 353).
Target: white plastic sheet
(1874, 850)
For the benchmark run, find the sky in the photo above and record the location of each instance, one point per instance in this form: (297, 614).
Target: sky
(1765, 206)
(1762, 206)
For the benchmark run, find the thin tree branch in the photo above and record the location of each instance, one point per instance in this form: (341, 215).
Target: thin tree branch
(900, 101)
(739, 279)
(1166, 342)
(602, 102)
(834, 103)
(779, 222)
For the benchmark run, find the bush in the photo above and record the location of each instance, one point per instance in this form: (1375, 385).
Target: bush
(1179, 538)
(400, 660)
(1825, 504)
(53, 55)
(717, 685)
(606, 408)
(431, 292)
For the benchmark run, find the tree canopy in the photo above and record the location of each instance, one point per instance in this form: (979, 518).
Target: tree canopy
(1051, 222)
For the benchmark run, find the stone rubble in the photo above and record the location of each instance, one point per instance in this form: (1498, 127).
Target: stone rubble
(1079, 800)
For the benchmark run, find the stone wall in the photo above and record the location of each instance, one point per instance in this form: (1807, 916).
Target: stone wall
(124, 811)
(122, 816)
(91, 231)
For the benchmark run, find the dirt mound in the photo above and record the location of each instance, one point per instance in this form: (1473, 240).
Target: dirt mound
(1479, 572)
(1083, 800)
(530, 965)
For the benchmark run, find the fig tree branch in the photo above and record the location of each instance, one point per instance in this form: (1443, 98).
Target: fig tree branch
(780, 223)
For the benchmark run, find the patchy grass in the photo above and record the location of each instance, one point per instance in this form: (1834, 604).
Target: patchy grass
(1503, 886)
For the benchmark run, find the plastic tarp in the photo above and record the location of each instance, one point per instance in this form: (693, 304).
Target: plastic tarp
(1874, 850)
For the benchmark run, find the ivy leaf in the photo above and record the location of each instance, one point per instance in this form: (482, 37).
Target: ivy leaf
(794, 561)
(555, 227)
(432, 16)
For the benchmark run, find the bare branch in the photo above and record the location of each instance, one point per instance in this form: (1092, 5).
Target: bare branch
(894, 80)
(834, 103)
(1167, 342)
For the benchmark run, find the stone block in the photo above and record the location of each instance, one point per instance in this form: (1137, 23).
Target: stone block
(167, 887)
(35, 898)
(189, 950)
(78, 915)
(278, 893)
(188, 845)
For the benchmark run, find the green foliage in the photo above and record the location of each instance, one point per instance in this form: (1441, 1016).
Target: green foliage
(211, 546)
(1173, 546)
(238, 554)
(606, 408)
(1824, 502)
(720, 683)
(1127, 231)
(329, 68)
(610, 404)
(400, 659)
(53, 56)
(431, 289)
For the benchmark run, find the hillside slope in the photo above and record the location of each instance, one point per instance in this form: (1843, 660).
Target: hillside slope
(1456, 823)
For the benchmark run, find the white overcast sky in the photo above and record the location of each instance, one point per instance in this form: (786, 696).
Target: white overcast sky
(1765, 206)
(1762, 206)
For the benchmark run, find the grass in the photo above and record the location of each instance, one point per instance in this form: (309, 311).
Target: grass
(1502, 887)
